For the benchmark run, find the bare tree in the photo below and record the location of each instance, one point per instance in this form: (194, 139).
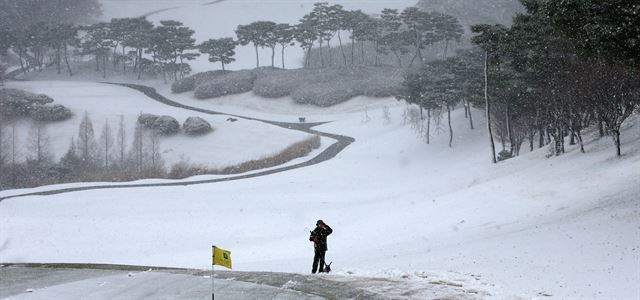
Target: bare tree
(38, 146)
(136, 152)
(87, 146)
(122, 140)
(155, 159)
(106, 142)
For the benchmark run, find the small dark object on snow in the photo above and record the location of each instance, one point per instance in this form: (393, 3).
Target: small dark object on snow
(327, 267)
(302, 119)
(231, 119)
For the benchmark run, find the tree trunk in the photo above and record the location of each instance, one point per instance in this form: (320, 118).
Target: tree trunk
(540, 137)
(509, 134)
(104, 66)
(377, 62)
(428, 124)
(257, 57)
(329, 51)
(320, 52)
(450, 128)
(283, 57)
(58, 58)
(572, 139)
(124, 62)
(579, 134)
(446, 47)
(398, 58)
(470, 116)
(532, 134)
(222, 66)
(488, 105)
(115, 61)
(24, 71)
(308, 62)
(66, 60)
(353, 44)
(615, 133)
(273, 56)
(344, 56)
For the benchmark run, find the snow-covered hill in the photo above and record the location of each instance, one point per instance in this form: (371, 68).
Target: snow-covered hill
(566, 226)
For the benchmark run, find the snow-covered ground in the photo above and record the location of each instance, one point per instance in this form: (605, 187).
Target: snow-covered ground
(566, 226)
(231, 142)
(404, 211)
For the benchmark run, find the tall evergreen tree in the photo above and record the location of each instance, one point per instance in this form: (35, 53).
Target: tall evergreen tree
(219, 50)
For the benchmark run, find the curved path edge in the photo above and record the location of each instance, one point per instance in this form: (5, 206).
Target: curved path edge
(330, 152)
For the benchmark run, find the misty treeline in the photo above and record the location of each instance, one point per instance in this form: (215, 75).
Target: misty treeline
(393, 37)
(123, 43)
(562, 66)
(112, 154)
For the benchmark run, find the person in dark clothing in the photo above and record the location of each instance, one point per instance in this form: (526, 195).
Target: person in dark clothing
(319, 239)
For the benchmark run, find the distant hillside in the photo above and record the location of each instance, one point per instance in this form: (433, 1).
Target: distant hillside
(475, 12)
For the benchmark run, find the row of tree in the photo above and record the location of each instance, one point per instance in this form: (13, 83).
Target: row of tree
(107, 157)
(170, 45)
(561, 67)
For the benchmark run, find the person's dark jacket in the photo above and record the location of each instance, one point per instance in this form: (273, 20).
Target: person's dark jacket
(319, 237)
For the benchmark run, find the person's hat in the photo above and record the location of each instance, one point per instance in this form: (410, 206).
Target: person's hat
(319, 222)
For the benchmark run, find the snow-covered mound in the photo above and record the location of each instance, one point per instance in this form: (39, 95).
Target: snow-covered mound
(564, 226)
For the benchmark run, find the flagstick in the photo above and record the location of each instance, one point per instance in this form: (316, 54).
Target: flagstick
(213, 285)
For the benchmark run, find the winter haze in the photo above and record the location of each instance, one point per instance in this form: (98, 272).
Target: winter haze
(453, 149)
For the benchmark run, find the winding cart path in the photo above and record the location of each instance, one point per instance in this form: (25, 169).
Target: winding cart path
(341, 143)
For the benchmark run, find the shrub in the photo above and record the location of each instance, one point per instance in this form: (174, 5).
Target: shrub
(184, 169)
(17, 103)
(50, 113)
(277, 84)
(166, 125)
(147, 120)
(190, 83)
(504, 155)
(229, 84)
(380, 87)
(327, 93)
(297, 150)
(196, 126)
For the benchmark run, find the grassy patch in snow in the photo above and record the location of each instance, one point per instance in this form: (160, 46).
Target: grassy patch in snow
(297, 150)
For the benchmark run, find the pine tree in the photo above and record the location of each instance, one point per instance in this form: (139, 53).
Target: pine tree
(219, 50)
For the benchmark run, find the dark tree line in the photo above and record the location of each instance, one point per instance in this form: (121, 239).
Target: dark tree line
(561, 67)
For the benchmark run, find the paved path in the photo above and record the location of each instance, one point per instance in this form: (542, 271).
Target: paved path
(341, 143)
(93, 281)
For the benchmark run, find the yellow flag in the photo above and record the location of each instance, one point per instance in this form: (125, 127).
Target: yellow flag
(221, 257)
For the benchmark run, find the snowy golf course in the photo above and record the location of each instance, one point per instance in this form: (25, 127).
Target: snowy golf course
(411, 220)
(399, 207)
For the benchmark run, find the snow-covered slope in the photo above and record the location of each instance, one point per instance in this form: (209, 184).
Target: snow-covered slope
(566, 226)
